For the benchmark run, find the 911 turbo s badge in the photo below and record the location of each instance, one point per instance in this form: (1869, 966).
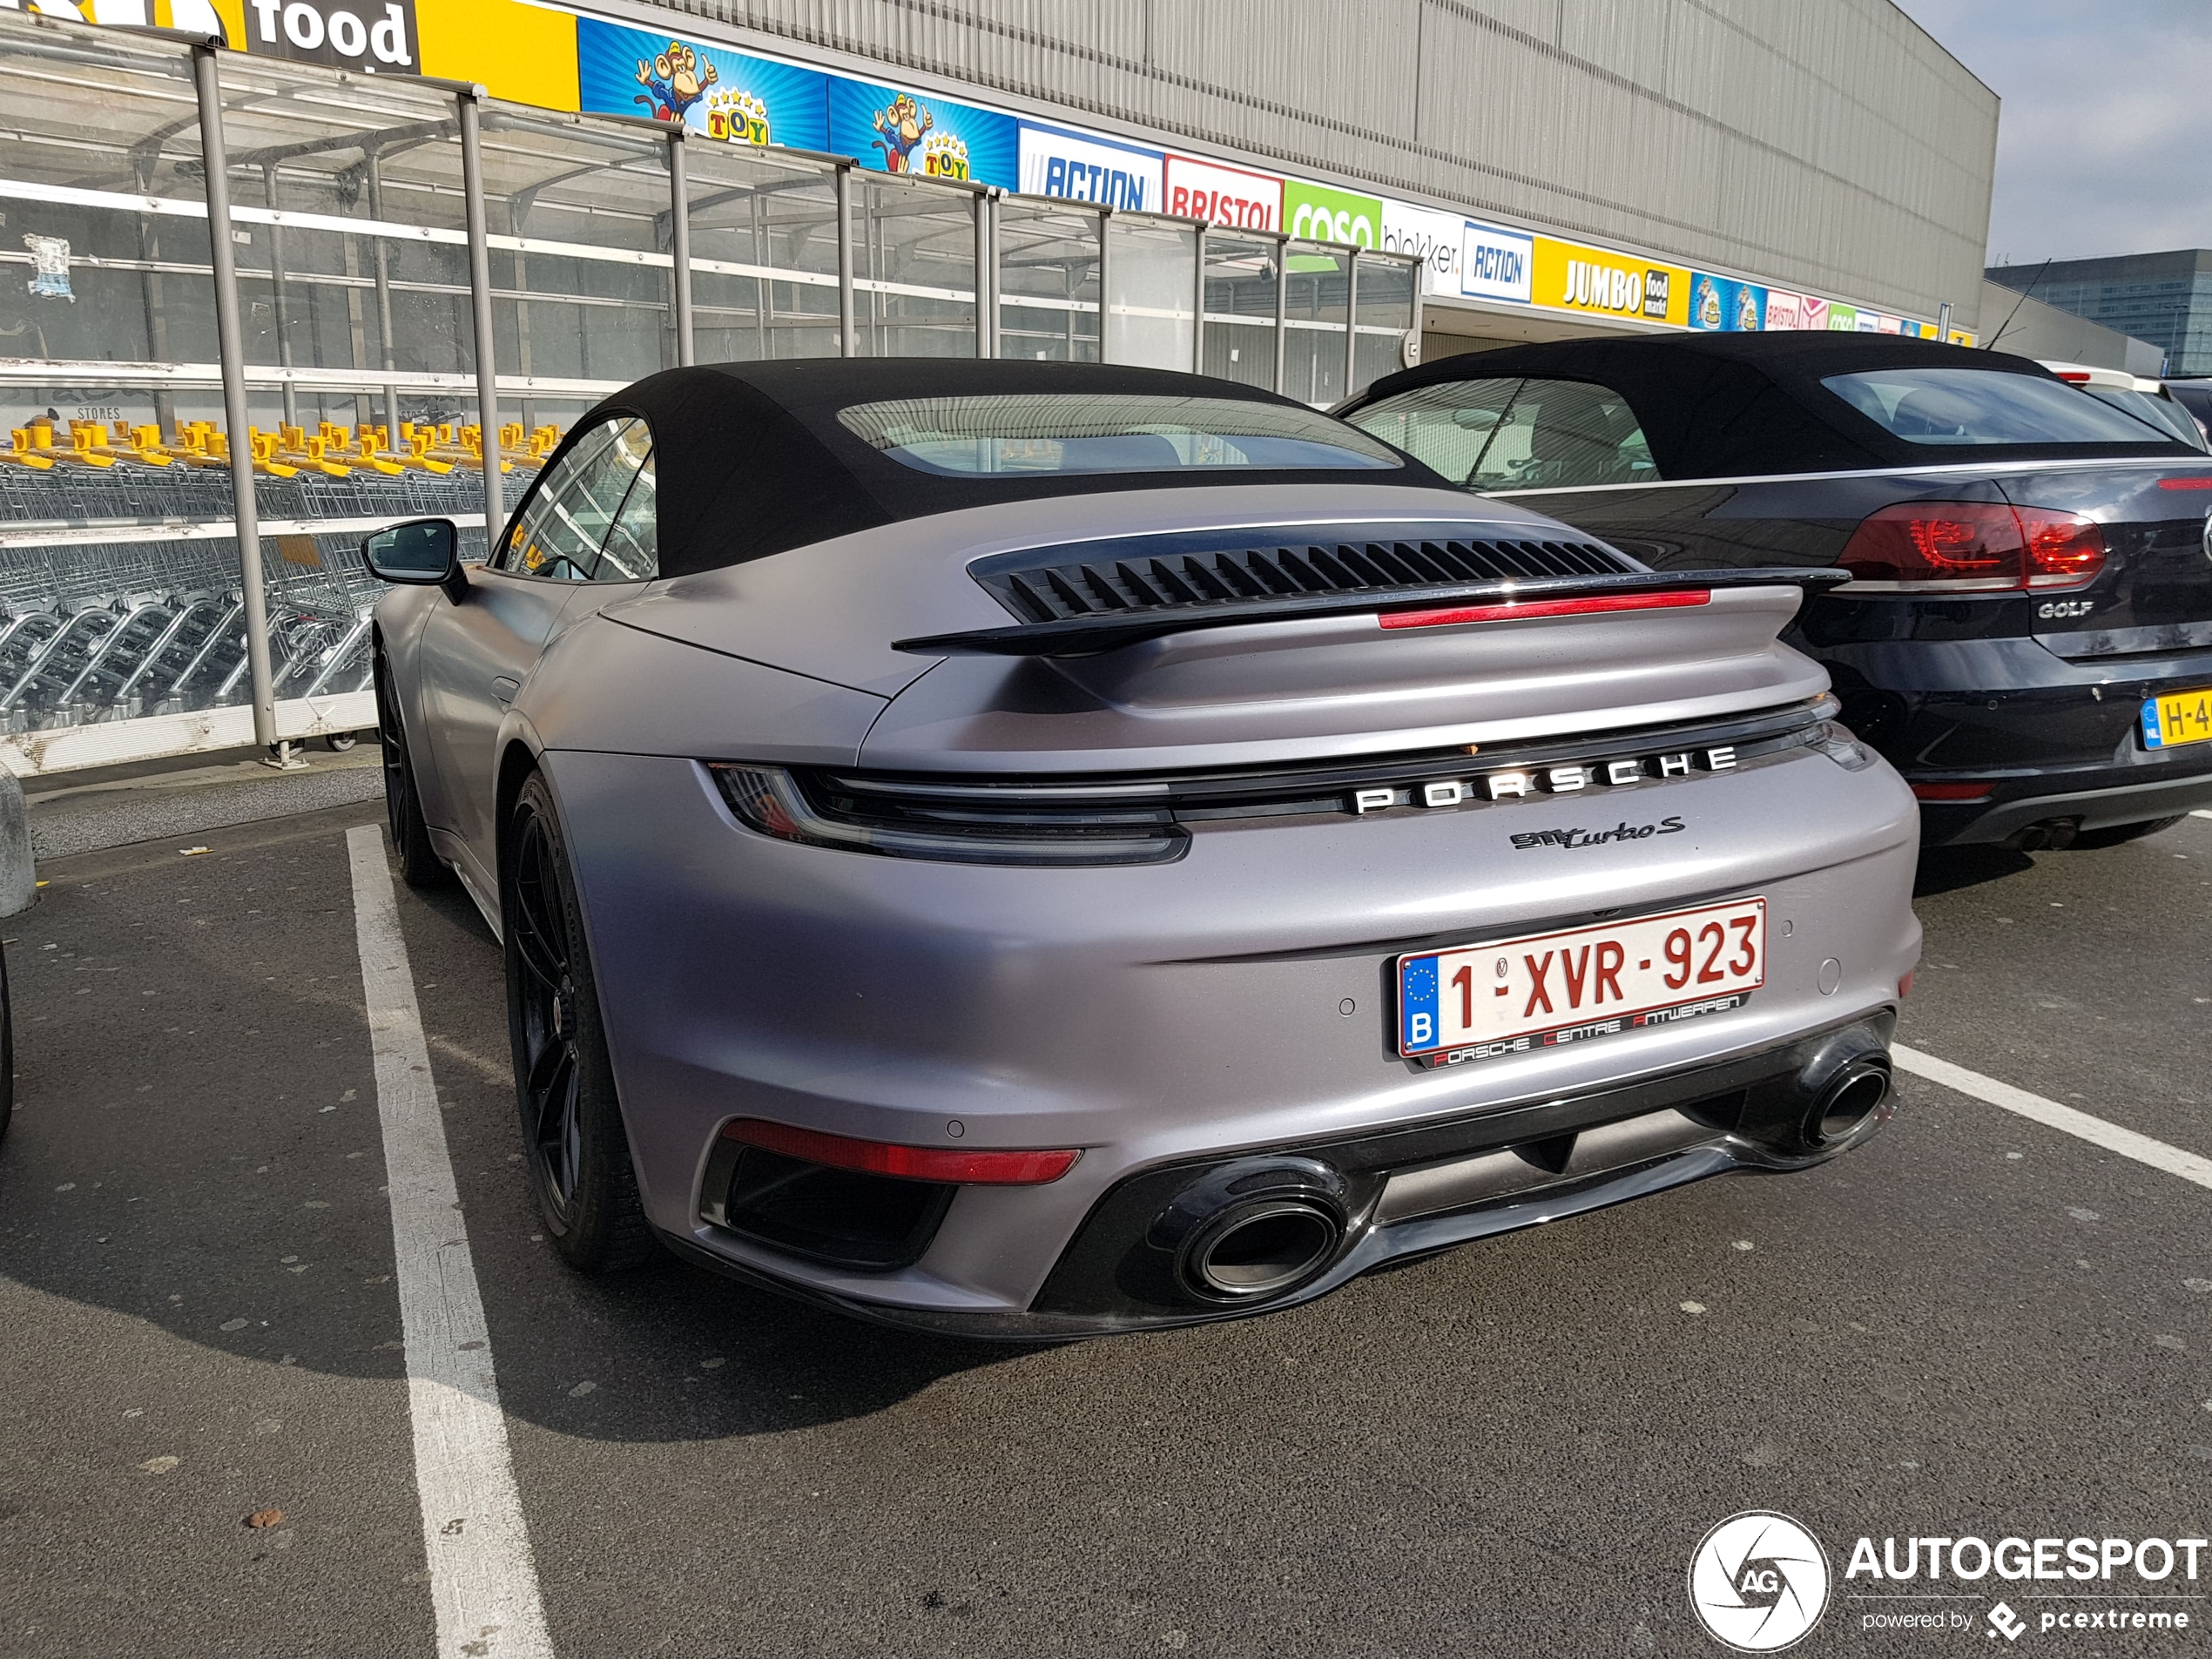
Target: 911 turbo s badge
(1623, 831)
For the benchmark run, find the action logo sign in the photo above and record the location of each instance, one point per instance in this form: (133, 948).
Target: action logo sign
(1081, 166)
(364, 35)
(892, 130)
(721, 94)
(1497, 265)
(1758, 1582)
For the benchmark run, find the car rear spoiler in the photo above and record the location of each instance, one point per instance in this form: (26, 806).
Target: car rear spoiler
(1088, 636)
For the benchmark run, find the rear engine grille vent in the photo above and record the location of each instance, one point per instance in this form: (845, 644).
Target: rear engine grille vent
(1160, 573)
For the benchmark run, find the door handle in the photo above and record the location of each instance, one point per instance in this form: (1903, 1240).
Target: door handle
(504, 687)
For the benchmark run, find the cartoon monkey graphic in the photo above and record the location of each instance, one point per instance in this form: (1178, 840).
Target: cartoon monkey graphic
(674, 82)
(903, 125)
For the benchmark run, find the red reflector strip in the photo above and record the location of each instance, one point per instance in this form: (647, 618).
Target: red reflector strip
(1952, 791)
(977, 1168)
(1545, 608)
(1904, 985)
(2185, 484)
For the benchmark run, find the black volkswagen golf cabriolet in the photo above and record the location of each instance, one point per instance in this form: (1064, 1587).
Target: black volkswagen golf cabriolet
(2027, 634)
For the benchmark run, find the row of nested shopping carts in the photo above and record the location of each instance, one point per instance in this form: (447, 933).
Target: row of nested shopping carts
(120, 593)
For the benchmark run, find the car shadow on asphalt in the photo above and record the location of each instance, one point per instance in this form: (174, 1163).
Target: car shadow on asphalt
(1946, 869)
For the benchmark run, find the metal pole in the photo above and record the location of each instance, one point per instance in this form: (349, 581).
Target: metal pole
(230, 342)
(1105, 295)
(846, 342)
(1413, 307)
(1282, 307)
(1943, 322)
(384, 302)
(1351, 317)
(998, 317)
(472, 187)
(982, 274)
(679, 240)
(1198, 304)
(279, 310)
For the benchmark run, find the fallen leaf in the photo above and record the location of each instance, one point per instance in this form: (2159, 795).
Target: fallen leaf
(261, 1518)
(160, 1465)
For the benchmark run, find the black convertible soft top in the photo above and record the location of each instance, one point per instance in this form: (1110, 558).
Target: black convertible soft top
(1722, 406)
(749, 459)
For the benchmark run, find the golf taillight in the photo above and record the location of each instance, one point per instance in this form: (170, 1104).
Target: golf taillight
(956, 1165)
(1970, 547)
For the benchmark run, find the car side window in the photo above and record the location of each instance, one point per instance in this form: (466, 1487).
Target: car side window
(633, 552)
(557, 534)
(1513, 434)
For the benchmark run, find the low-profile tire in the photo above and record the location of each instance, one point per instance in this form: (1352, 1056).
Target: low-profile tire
(419, 865)
(573, 1140)
(2119, 835)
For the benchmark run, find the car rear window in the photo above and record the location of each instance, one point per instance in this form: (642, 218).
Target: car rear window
(1047, 433)
(2163, 417)
(1967, 407)
(1516, 433)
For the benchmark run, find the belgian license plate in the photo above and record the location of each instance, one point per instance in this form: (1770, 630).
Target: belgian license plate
(1518, 996)
(2177, 718)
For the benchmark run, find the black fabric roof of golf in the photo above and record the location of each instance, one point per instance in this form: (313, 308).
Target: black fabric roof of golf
(749, 459)
(1727, 406)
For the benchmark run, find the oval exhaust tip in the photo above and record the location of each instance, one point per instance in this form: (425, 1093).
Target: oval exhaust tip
(1264, 1249)
(1847, 1103)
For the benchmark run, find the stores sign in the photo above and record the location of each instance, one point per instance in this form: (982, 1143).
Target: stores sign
(362, 36)
(1223, 195)
(1425, 235)
(1574, 278)
(1317, 214)
(1496, 264)
(1085, 168)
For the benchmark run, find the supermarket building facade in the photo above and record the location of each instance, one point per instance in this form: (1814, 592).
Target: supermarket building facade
(1289, 193)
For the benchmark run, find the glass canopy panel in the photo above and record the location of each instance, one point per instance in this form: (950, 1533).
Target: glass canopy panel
(1047, 282)
(1243, 273)
(913, 267)
(763, 253)
(1152, 269)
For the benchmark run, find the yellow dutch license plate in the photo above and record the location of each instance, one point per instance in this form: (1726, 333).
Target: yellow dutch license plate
(2177, 718)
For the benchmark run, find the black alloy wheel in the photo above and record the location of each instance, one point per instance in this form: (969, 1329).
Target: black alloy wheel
(572, 1131)
(419, 865)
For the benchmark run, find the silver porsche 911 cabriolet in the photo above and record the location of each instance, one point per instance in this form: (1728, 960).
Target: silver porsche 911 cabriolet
(1036, 849)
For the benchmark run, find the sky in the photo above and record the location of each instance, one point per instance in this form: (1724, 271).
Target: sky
(2105, 142)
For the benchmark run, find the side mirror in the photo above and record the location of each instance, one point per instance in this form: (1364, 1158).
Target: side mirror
(424, 552)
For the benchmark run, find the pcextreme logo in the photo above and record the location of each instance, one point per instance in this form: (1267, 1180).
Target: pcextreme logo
(1758, 1582)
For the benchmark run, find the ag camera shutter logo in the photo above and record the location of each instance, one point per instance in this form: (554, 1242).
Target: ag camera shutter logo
(351, 34)
(1758, 1582)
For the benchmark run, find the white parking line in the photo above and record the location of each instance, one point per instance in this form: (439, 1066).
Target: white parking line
(2201, 812)
(483, 1583)
(2172, 1159)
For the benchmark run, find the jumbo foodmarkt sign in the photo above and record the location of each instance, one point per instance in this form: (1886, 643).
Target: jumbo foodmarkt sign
(1597, 282)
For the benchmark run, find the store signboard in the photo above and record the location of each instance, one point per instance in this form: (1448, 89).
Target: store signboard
(1224, 195)
(1599, 282)
(890, 130)
(1719, 304)
(1866, 322)
(718, 93)
(1785, 310)
(1496, 264)
(1087, 167)
(1842, 320)
(1320, 213)
(371, 36)
(1433, 238)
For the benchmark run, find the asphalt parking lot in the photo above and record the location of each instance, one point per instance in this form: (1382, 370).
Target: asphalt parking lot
(1978, 1323)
